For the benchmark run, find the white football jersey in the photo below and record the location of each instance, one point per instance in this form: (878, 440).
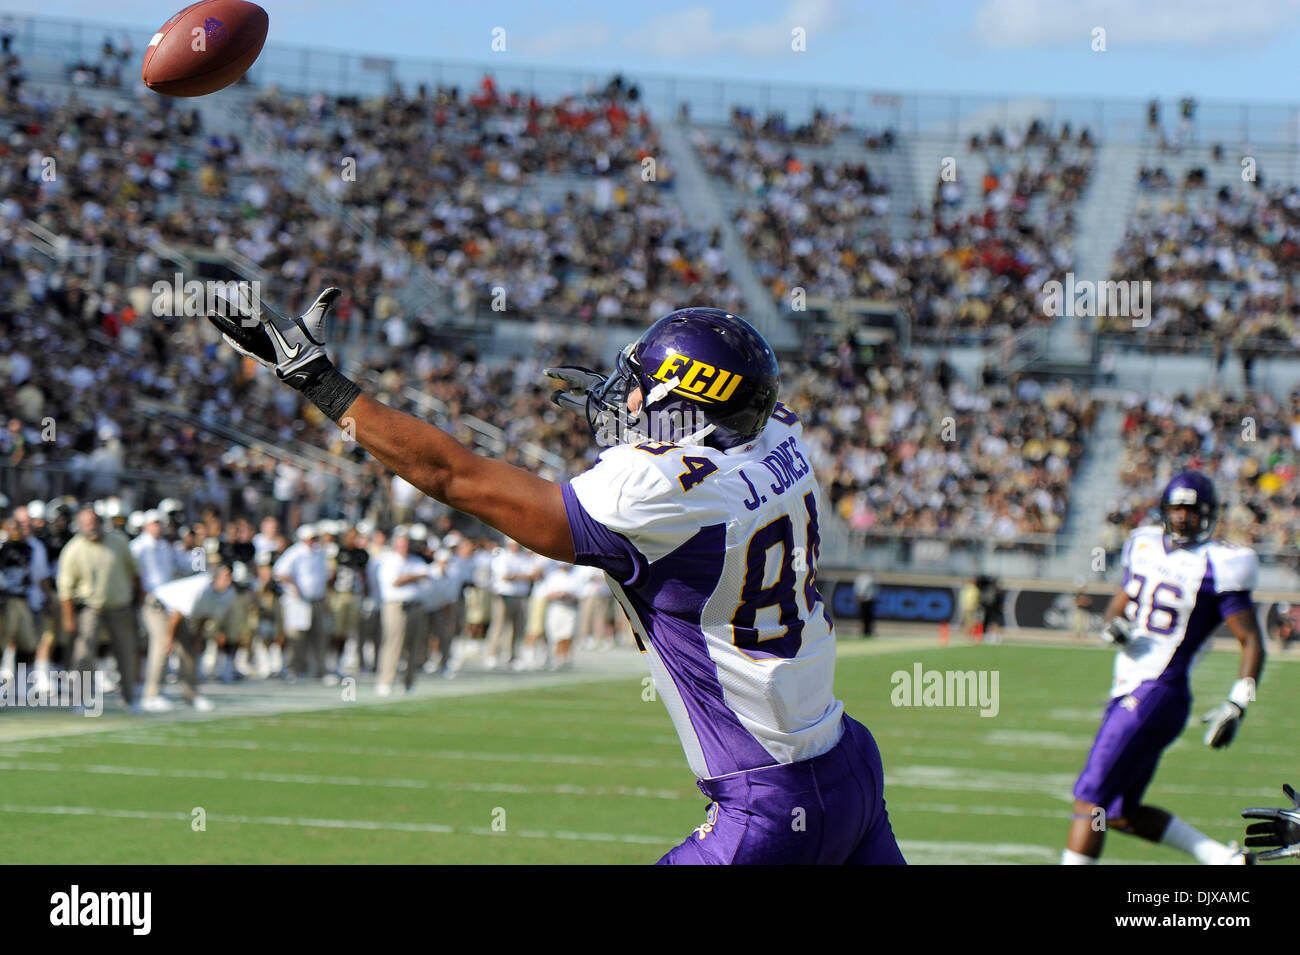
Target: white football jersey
(713, 557)
(1177, 597)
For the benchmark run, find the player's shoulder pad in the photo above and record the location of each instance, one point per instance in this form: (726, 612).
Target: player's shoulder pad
(783, 416)
(1147, 532)
(1140, 539)
(652, 490)
(1235, 567)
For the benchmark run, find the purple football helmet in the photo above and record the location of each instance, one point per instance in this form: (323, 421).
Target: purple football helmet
(706, 377)
(1195, 490)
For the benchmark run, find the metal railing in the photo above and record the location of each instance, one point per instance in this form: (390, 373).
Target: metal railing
(487, 437)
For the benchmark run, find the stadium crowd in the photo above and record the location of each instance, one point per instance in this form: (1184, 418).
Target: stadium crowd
(443, 174)
(1248, 444)
(135, 397)
(140, 595)
(1220, 261)
(972, 268)
(902, 447)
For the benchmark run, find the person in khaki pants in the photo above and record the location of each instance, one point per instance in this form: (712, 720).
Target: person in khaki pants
(401, 575)
(97, 584)
(156, 560)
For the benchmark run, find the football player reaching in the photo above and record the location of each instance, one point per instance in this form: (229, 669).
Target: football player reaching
(1179, 585)
(702, 512)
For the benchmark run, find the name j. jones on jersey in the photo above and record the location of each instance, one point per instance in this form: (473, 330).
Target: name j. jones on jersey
(781, 462)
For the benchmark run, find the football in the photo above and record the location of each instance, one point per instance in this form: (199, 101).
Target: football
(204, 48)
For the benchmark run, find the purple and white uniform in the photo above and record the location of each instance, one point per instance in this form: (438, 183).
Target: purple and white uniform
(712, 555)
(1177, 597)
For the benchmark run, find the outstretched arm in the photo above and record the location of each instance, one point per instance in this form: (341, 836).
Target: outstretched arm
(519, 504)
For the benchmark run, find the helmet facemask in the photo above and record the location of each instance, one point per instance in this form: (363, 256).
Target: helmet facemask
(661, 417)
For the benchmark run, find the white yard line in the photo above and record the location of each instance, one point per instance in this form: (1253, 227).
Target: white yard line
(563, 759)
(364, 824)
(314, 780)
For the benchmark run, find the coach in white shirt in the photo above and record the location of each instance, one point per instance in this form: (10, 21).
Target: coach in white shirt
(562, 589)
(513, 572)
(304, 573)
(156, 559)
(401, 577)
(445, 581)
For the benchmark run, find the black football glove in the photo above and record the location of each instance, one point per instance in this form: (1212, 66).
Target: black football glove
(1281, 829)
(294, 347)
(577, 382)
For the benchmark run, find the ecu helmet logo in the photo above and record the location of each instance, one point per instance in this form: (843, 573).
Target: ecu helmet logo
(695, 379)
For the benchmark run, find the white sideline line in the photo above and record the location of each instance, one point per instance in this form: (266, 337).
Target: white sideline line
(918, 851)
(989, 853)
(310, 780)
(1062, 814)
(382, 726)
(563, 759)
(268, 699)
(1058, 785)
(974, 853)
(367, 824)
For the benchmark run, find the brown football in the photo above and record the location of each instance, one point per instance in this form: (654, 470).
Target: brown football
(204, 48)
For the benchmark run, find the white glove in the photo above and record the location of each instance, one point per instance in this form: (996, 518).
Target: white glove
(1224, 719)
(1118, 631)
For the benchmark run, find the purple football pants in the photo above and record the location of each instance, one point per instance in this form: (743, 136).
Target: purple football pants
(828, 810)
(1133, 735)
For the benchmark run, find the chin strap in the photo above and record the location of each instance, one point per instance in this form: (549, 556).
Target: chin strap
(660, 390)
(699, 436)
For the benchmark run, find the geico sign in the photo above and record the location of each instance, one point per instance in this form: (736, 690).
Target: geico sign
(914, 603)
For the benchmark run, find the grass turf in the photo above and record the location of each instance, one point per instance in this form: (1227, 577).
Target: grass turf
(592, 773)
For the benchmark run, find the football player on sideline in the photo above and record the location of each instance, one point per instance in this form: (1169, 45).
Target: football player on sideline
(709, 539)
(1179, 585)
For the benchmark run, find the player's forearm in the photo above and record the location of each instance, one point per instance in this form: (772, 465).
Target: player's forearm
(514, 501)
(1252, 657)
(424, 455)
(1118, 604)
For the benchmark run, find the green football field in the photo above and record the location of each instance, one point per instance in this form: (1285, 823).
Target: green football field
(591, 772)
